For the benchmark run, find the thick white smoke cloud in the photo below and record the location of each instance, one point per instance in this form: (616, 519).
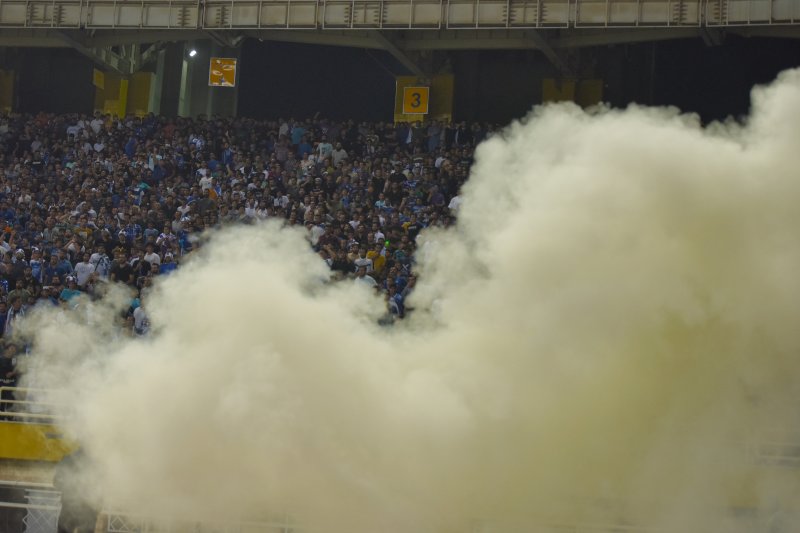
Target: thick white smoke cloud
(610, 324)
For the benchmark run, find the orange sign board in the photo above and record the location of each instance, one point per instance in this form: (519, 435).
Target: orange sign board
(222, 72)
(415, 100)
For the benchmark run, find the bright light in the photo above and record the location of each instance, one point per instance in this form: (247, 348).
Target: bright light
(192, 52)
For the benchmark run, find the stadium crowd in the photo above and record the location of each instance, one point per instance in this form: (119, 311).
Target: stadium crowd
(87, 200)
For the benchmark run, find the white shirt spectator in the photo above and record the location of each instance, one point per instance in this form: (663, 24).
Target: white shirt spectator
(102, 264)
(166, 239)
(363, 261)
(140, 321)
(367, 280)
(317, 231)
(338, 156)
(251, 209)
(83, 270)
(153, 258)
(96, 125)
(281, 201)
(455, 203)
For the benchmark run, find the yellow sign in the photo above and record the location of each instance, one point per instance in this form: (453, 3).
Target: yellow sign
(415, 100)
(98, 79)
(439, 89)
(222, 72)
(33, 442)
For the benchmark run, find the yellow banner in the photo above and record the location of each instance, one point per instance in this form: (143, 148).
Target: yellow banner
(33, 442)
(99, 79)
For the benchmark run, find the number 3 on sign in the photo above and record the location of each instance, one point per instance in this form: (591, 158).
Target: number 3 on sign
(415, 100)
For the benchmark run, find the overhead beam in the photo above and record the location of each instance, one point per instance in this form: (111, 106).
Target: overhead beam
(557, 58)
(406, 41)
(602, 37)
(114, 37)
(150, 53)
(398, 54)
(102, 55)
(32, 38)
(355, 39)
(712, 36)
(526, 39)
(778, 32)
(225, 39)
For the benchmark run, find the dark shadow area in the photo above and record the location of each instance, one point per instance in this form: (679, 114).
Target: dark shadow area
(11, 518)
(715, 81)
(54, 80)
(286, 79)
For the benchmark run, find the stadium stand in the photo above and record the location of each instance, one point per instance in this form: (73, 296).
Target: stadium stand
(91, 199)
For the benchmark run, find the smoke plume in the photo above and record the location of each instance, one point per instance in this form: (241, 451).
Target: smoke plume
(605, 337)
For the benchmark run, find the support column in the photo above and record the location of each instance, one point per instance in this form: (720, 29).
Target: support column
(171, 81)
(112, 96)
(189, 70)
(7, 81)
(157, 84)
(140, 94)
(585, 93)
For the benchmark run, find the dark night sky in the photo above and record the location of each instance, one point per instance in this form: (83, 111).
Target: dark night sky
(293, 79)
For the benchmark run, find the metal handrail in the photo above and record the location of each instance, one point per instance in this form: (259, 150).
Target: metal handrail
(35, 506)
(24, 410)
(27, 485)
(133, 521)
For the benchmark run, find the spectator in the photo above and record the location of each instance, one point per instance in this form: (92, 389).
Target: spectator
(8, 375)
(151, 256)
(363, 278)
(121, 270)
(338, 155)
(141, 193)
(70, 292)
(84, 269)
(362, 260)
(141, 324)
(15, 313)
(168, 265)
(101, 262)
(20, 292)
